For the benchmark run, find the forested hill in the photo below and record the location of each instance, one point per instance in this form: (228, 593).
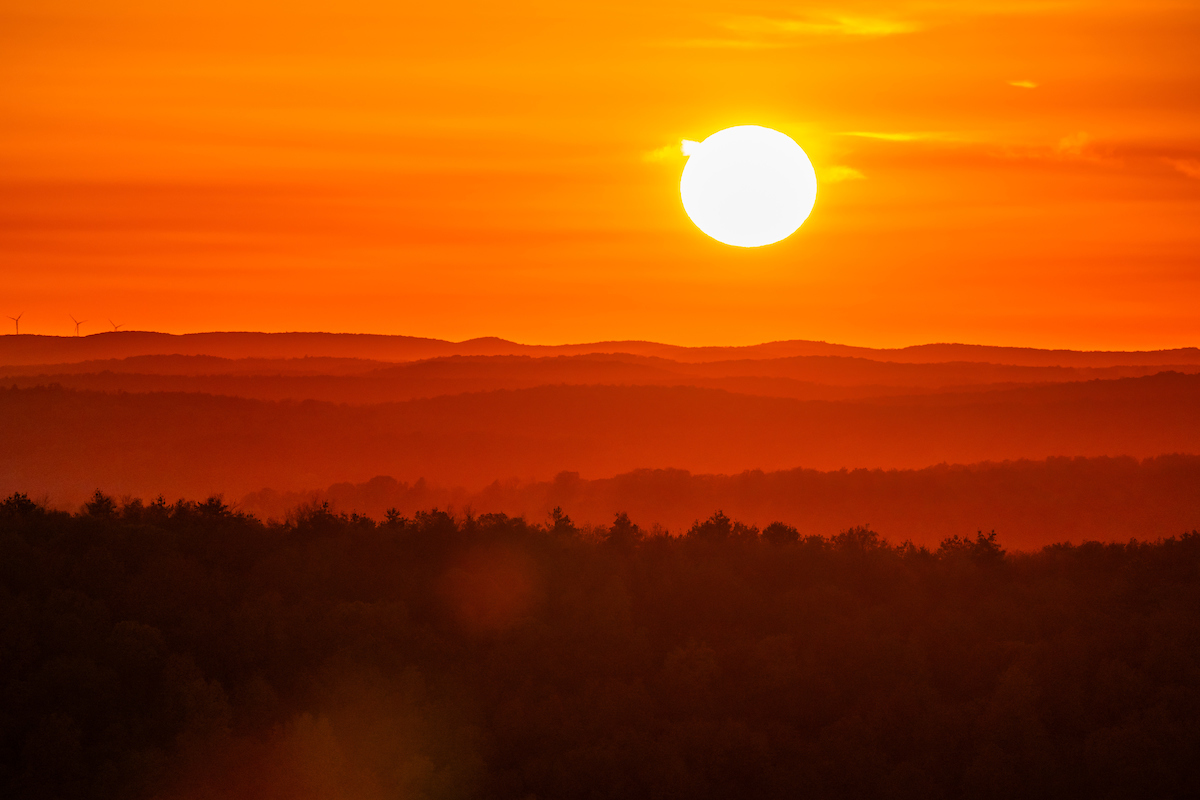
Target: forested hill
(66, 443)
(1030, 503)
(185, 651)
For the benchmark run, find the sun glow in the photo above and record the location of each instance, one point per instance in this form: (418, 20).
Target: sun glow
(747, 186)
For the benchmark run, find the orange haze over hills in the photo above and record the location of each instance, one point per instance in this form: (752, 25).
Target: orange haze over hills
(1013, 172)
(660, 431)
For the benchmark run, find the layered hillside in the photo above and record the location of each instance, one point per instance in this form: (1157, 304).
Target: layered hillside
(236, 414)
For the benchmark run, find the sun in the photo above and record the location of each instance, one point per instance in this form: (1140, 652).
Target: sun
(748, 185)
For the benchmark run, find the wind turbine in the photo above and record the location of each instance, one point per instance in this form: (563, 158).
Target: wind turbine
(77, 322)
(17, 321)
(116, 327)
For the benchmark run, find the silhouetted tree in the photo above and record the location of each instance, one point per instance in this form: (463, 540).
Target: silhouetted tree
(19, 505)
(623, 533)
(101, 506)
(714, 529)
(561, 524)
(983, 549)
(859, 540)
(779, 533)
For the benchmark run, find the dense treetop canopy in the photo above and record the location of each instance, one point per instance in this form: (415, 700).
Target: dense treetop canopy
(187, 650)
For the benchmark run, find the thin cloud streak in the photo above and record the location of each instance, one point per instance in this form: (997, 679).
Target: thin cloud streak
(840, 173)
(901, 136)
(829, 26)
(723, 44)
(667, 152)
(1185, 166)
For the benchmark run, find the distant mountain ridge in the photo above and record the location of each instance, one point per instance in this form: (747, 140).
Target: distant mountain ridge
(37, 349)
(362, 382)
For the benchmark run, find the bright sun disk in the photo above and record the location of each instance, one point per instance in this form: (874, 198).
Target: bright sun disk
(748, 185)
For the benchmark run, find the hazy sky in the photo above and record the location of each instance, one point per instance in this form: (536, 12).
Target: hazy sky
(996, 172)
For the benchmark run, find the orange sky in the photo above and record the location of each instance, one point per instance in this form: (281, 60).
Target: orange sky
(458, 169)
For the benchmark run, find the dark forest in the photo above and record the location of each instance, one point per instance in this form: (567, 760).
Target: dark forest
(187, 650)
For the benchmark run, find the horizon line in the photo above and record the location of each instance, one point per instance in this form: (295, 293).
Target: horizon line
(500, 339)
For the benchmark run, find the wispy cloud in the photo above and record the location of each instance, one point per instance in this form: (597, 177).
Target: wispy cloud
(1186, 166)
(748, 32)
(822, 26)
(898, 136)
(1023, 84)
(724, 44)
(664, 153)
(837, 174)
(1075, 145)
(904, 17)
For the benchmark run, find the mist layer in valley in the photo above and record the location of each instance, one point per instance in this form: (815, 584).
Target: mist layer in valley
(274, 419)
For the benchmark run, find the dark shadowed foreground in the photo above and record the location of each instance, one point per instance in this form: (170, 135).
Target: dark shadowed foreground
(182, 651)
